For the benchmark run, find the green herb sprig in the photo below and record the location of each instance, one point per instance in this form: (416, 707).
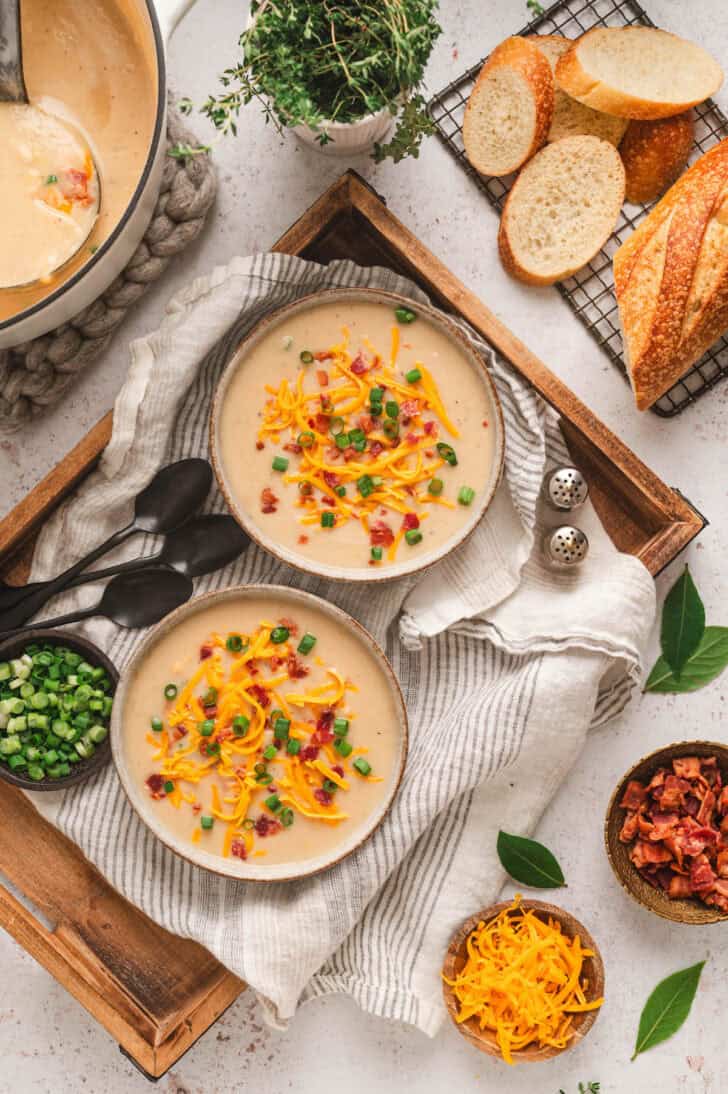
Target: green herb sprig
(692, 654)
(309, 62)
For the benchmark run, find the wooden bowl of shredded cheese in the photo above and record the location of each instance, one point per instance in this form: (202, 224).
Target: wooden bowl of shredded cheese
(523, 981)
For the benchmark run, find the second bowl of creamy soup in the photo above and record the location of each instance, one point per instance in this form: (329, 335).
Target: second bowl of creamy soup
(260, 733)
(357, 435)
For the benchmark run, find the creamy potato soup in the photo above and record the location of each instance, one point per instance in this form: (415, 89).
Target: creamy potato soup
(92, 67)
(357, 435)
(262, 729)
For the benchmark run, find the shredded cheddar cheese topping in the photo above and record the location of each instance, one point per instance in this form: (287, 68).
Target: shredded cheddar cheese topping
(523, 980)
(247, 732)
(365, 437)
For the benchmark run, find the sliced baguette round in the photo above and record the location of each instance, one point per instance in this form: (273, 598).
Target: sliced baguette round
(654, 153)
(561, 209)
(637, 72)
(510, 108)
(572, 118)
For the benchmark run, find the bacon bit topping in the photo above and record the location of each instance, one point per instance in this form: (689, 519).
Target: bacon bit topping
(331, 479)
(359, 365)
(268, 501)
(179, 732)
(205, 652)
(296, 670)
(309, 752)
(238, 849)
(155, 786)
(410, 408)
(411, 438)
(430, 428)
(411, 520)
(197, 807)
(259, 445)
(321, 423)
(323, 377)
(322, 797)
(367, 423)
(485, 424)
(302, 539)
(380, 534)
(260, 695)
(676, 825)
(73, 184)
(323, 355)
(293, 447)
(376, 448)
(266, 826)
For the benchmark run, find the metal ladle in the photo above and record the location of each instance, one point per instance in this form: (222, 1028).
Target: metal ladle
(13, 90)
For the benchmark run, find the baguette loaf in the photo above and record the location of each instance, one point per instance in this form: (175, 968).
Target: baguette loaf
(510, 108)
(637, 72)
(671, 279)
(654, 153)
(561, 209)
(572, 118)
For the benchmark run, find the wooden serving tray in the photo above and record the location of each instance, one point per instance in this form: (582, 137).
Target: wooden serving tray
(156, 994)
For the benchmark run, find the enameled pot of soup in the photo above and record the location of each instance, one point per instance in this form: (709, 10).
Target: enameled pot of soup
(99, 66)
(357, 435)
(260, 733)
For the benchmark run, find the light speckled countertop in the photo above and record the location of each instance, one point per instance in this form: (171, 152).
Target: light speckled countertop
(47, 1042)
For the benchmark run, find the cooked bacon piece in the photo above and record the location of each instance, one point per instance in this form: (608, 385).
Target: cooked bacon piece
(644, 853)
(663, 825)
(431, 428)
(309, 752)
(293, 447)
(359, 365)
(721, 862)
(629, 828)
(268, 500)
(303, 539)
(411, 520)
(376, 448)
(366, 422)
(323, 797)
(634, 795)
(723, 801)
(73, 184)
(238, 848)
(323, 377)
(259, 445)
(260, 695)
(673, 792)
(679, 887)
(688, 767)
(296, 670)
(205, 652)
(658, 779)
(702, 877)
(411, 438)
(380, 534)
(331, 479)
(707, 807)
(321, 423)
(155, 786)
(290, 625)
(266, 826)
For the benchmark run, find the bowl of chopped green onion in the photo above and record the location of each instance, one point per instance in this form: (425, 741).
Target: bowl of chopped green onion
(56, 695)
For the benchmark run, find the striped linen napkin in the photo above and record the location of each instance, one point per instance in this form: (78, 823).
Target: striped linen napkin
(504, 665)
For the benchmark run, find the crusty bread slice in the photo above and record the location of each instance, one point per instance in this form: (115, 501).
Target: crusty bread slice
(637, 72)
(654, 153)
(561, 209)
(671, 279)
(510, 108)
(572, 118)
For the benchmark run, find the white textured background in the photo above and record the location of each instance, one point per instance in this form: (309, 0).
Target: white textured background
(47, 1042)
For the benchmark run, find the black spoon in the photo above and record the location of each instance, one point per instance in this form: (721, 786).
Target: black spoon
(165, 503)
(130, 600)
(201, 546)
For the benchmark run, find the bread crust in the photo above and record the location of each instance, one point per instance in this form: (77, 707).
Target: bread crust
(589, 122)
(522, 56)
(507, 256)
(654, 153)
(658, 304)
(575, 81)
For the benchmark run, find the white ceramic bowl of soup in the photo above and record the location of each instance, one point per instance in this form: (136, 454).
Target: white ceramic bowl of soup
(371, 704)
(267, 370)
(99, 65)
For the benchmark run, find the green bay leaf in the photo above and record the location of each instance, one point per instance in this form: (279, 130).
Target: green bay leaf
(529, 862)
(667, 1007)
(683, 622)
(707, 662)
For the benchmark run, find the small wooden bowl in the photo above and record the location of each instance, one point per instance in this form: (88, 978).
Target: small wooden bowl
(593, 972)
(688, 910)
(13, 647)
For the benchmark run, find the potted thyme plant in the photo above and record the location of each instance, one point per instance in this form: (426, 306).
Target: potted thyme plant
(336, 72)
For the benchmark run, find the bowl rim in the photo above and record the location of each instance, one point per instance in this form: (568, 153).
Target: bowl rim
(86, 768)
(666, 908)
(238, 869)
(361, 574)
(484, 1041)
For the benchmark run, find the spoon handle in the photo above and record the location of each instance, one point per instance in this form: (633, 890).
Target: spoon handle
(57, 621)
(20, 613)
(12, 83)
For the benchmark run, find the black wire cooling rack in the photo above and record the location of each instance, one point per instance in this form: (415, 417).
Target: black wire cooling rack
(591, 292)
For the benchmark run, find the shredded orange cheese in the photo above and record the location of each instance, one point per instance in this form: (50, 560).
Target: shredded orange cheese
(523, 980)
(393, 457)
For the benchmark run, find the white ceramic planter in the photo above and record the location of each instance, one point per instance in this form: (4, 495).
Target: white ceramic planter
(348, 138)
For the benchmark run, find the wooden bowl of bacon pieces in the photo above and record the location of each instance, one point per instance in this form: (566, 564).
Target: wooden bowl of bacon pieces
(666, 832)
(549, 1007)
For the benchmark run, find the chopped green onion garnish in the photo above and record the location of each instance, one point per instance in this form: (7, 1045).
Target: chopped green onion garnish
(342, 440)
(270, 752)
(264, 780)
(328, 520)
(362, 766)
(404, 315)
(169, 787)
(435, 487)
(466, 495)
(447, 452)
(307, 643)
(281, 726)
(279, 634)
(306, 439)
(359, 446)
(209, 698)
(377, 554)
(241, 725)
(293, 746)
(280, 463)
(365, 485)
(341, 727)
(413, 376)
(342, 746)
(273, 803)
(157, 725)
(337, 425)
(51, 180)
(376, 394)
(286, 817)
(392, 409)
(170, 691)
(305, 489)
(207, 822)
(207, 728)
(234, 643)
(391, 429)
(248, 823)
(306, 356)
(340, 491)
(413, 535)
(330, 786)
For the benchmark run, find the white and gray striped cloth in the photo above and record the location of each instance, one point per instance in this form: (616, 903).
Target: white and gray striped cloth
(504, 665)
